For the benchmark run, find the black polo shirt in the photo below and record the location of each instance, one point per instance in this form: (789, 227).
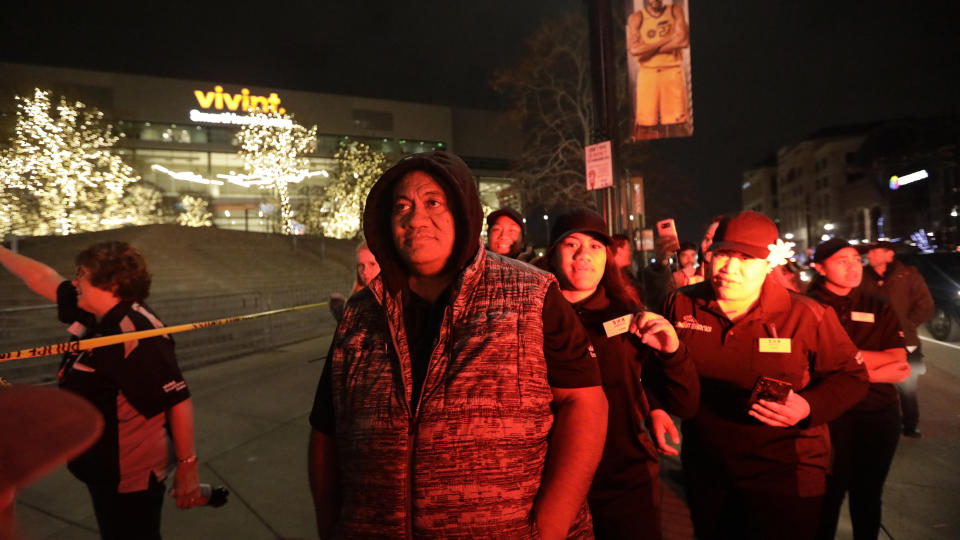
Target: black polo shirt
(132, 384)
(872, 326)
(722, 443)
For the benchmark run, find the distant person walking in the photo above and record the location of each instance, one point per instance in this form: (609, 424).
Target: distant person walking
(136, 385)
(904, 287)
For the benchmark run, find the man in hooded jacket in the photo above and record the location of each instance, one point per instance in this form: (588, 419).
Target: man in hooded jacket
(460, 397)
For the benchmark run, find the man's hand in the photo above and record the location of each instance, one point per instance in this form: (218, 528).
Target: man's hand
(662, 426)
(655, 332)
(186, 485)
(781, 415)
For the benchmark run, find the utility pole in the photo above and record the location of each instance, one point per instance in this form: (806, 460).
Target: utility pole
(604, 97)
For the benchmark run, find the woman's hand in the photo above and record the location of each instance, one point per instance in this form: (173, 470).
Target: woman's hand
(655, 332)
(662, 425)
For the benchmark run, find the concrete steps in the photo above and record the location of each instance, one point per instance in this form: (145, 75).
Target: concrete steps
(199, 274)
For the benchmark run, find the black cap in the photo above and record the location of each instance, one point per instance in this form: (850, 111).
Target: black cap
(579, 220)
(882, 244)
(825, 250)
(505, 211)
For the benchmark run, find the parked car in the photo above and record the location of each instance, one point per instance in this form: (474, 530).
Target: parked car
(942, 274)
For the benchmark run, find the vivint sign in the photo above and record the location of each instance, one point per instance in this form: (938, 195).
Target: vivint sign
(221, 107)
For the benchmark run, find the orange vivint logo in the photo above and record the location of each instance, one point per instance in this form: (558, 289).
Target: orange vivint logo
(238, 102)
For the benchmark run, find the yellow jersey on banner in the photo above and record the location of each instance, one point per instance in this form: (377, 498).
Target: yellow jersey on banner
(656, 29)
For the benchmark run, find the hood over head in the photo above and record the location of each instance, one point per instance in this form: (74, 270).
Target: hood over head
(463, 198)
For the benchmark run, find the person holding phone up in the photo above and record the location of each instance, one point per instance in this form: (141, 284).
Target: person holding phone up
(756, 468)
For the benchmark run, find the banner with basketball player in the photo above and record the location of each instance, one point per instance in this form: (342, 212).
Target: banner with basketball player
(658, 61)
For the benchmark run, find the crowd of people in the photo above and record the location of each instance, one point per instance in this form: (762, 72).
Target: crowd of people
(474, 391)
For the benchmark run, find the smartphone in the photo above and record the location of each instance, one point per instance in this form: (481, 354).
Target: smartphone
(667, 227)
(769, 389)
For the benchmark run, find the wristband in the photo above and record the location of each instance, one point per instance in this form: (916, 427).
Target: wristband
(191, 459)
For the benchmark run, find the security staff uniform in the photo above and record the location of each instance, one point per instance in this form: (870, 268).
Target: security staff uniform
(865, 437)
(745, 478)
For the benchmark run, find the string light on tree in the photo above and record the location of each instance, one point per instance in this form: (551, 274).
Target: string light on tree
(357, 169)
(195, 213)
(58, 173)
(275, 153)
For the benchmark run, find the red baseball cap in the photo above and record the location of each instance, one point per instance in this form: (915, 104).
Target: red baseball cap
(748, 232)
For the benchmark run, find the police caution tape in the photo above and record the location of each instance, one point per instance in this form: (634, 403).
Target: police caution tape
(97, 342)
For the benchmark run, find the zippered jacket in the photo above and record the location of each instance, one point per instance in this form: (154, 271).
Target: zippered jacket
(467, 460)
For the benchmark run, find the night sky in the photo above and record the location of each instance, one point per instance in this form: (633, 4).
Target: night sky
(765, 72)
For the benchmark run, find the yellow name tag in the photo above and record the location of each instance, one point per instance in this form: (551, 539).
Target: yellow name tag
(775, 345)
(860, 316)
(615, 327)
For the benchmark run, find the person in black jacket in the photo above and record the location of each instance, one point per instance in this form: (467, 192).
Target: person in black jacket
(625, 494)
(904, 288)
(865, 437)
(755, 463)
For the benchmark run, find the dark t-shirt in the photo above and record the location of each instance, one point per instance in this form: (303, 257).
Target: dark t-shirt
(571, 362)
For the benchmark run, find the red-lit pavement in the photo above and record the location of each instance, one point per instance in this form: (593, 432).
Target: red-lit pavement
(251, 417)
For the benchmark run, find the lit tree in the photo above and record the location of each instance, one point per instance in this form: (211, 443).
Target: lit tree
(312, 208)
(60, 167)
(195, 212)
(273, 150)
(357, 170)
(141, 204)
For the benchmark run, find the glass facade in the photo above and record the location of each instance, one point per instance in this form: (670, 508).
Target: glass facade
(181, 159)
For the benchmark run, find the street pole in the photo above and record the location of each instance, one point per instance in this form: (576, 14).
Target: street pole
(604, 95)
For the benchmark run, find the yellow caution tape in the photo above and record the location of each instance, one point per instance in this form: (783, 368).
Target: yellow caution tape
(94, 343)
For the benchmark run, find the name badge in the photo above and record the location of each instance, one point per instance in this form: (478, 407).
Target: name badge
(860, 316)
(775, 345)
(615, 327)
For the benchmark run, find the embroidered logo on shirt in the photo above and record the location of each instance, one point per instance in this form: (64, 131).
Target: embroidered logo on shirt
(174, 386)
(689, 323)
(593, 354)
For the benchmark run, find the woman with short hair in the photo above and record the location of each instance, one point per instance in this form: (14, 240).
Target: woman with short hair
(136, 385)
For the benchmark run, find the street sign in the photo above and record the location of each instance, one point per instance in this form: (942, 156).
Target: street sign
(599, 165)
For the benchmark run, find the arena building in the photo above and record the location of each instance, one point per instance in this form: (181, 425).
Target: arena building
(179, 135)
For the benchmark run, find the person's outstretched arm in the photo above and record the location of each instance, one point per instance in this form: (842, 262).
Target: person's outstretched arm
(39, 277)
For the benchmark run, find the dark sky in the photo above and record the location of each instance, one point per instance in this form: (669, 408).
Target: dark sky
(765, 72)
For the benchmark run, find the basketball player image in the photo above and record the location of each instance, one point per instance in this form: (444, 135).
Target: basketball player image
(656, 37)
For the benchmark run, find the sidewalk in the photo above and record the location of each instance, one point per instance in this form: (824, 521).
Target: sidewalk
(251, 436)
(252, 431)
